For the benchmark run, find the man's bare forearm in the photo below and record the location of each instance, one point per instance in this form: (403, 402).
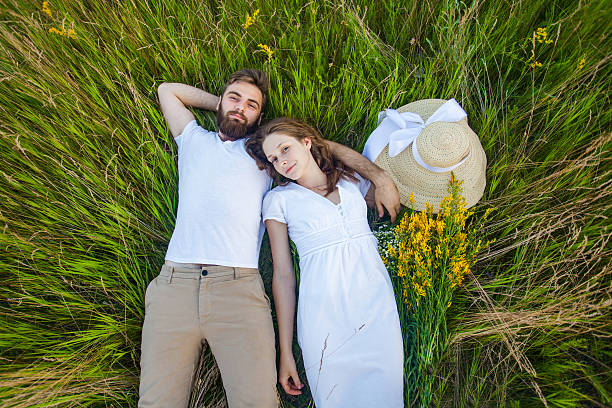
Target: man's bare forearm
(175, 99)
(191, 96)
(357, 162)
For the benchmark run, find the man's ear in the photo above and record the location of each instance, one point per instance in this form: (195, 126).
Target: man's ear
(259, 118)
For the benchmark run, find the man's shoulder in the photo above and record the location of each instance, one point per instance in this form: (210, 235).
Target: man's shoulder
(193, 128)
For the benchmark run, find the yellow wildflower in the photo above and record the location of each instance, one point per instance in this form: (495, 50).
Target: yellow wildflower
(440, 227)
(541, 36)
(581, 63)
(46, 9)
(412, 195)
(250, 19)
(438, 251)
(267, 50)
(62, 31)
(391, 250)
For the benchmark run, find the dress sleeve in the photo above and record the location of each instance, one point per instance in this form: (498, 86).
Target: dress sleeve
(363, 185)
(273, 207)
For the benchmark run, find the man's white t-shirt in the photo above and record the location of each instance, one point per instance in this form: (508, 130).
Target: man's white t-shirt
(221, 189)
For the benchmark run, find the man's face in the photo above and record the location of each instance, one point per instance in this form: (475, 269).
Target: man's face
(239, 110)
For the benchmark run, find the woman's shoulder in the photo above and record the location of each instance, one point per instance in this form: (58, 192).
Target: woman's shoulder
(359, 185)
(273, 206)
(278, 193)
(280, 190)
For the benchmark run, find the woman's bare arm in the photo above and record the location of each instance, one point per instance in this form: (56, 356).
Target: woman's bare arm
(283, 289)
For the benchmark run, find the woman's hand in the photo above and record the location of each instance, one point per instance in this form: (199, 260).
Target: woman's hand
(288, 376)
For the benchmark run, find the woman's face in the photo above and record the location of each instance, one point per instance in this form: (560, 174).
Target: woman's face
(289, 156)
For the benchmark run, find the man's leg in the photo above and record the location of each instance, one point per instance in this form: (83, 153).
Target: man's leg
(171, 340)
(240, 333)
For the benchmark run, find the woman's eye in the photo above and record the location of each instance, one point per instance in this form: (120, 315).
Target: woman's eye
(285, 148)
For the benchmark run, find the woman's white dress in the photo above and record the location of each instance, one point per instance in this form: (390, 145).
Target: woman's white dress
(347, 321)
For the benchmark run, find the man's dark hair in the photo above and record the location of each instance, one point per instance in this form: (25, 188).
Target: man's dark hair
(251, 76)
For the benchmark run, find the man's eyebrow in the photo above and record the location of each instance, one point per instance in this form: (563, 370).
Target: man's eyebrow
(254, 101)
(238, 94)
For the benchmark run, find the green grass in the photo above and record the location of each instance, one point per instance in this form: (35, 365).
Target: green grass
(88, 186)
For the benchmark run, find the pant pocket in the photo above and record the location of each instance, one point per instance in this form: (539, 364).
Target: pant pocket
(150, 286)
(262, 289)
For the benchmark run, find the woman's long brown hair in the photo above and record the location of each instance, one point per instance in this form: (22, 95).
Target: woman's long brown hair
(334, 169)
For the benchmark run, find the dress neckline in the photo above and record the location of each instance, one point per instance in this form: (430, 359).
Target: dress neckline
(320, 196)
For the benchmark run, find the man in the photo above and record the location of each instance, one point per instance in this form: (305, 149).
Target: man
(209, 288)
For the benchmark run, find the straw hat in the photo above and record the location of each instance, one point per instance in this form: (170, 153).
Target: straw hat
(441, 145)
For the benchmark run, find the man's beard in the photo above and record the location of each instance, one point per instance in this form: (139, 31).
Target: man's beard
(232, 128)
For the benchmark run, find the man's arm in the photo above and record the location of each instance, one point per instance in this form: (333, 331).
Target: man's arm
(174, 99)
(386, 194)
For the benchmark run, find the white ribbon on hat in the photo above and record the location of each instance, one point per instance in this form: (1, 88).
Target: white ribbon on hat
(399, 130)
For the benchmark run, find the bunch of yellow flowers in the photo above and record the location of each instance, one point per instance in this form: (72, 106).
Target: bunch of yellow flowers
(428, 255)
(434, 249)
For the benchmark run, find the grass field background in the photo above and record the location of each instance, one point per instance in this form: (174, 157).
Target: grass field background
(88, 184)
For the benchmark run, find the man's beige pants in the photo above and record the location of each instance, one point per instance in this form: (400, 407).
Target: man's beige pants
(228, 308)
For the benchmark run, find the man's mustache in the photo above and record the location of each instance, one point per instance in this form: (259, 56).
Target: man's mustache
(237, 113)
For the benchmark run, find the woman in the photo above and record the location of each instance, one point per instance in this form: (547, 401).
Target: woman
(348, 327)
